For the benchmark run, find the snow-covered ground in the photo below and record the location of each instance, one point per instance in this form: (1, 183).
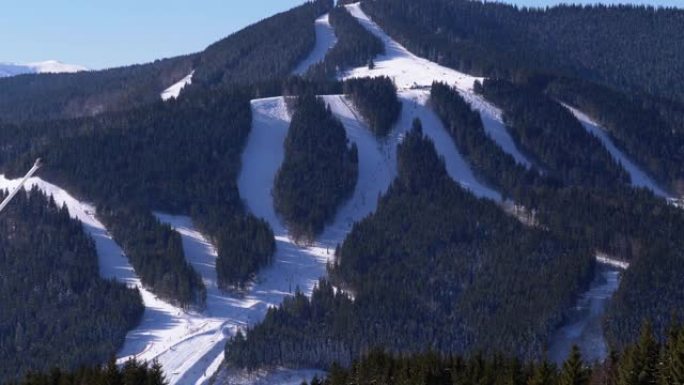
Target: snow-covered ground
(175, 90)
(163, 324)
(49, 66)
(639, 177)
(411, 72)
(325, 40)
(584, 325)
(414, 105)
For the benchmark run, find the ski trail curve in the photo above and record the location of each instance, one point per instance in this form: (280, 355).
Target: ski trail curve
(638, 176)
(325, 40)
(162, 323)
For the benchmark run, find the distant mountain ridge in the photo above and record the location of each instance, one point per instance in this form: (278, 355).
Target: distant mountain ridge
(48, 66)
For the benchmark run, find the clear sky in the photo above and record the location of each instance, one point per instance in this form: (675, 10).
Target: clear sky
(108, 33)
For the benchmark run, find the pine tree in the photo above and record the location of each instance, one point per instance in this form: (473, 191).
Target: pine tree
(543, 374)
(574, 371)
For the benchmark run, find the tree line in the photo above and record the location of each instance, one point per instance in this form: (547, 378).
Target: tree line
(319, 171)
(376, 100)
(433, 268)
(630, 224)
(180, 157)
(645, 361)
(56, 310)
(355, 47)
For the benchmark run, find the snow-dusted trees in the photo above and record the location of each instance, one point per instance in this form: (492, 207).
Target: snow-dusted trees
(433, 268)
(55, 310)
(319, 171)
(376, 100)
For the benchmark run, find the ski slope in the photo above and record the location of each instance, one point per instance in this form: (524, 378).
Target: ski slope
(49, 66)
(174, 91)
(638, 176)
(162, 323)
(298, 266)
(414, 105)
(325, 40)
(410, 72)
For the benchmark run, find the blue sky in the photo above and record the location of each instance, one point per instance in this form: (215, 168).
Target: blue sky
(100, 34)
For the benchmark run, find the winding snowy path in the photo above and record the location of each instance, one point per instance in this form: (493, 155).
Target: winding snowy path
(325, 40)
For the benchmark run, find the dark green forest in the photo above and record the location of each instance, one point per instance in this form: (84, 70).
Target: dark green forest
(553, 137)
(376, 99)
(355, 47)
(632, 48)
(432, 268)
(56, 311)
(260, 53)
(180, 157)
(155, 251)
(630, 224)
(319, 171)
(645, 361)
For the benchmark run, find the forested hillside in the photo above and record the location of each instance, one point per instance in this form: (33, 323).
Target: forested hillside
(180, 157)
(632, 225)
(319, 171)
(628, 47)
(376, 100)
(645, 361)
(554, 137)
(263, 52)
(156, 254)
(652, 131)
(56, 96)
(433, 268)
(355, 47)
(130, 373)
(55, 308)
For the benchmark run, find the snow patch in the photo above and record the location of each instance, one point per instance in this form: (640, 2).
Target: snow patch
(325, 41)
(175, 90)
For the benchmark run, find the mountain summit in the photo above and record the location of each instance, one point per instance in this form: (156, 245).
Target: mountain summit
(48, 66)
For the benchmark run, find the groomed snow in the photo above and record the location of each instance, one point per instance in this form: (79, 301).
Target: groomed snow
(325, 40)
(163, 324)
(638, 176)
(410, 72)
(414, 105)
(49, 66)
(175, 90)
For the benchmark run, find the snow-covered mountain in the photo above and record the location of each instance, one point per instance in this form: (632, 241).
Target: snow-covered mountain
(49, 66)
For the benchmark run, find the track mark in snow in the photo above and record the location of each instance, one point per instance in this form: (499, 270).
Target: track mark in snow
(175, 90)
(325, 40)
(638, 176)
